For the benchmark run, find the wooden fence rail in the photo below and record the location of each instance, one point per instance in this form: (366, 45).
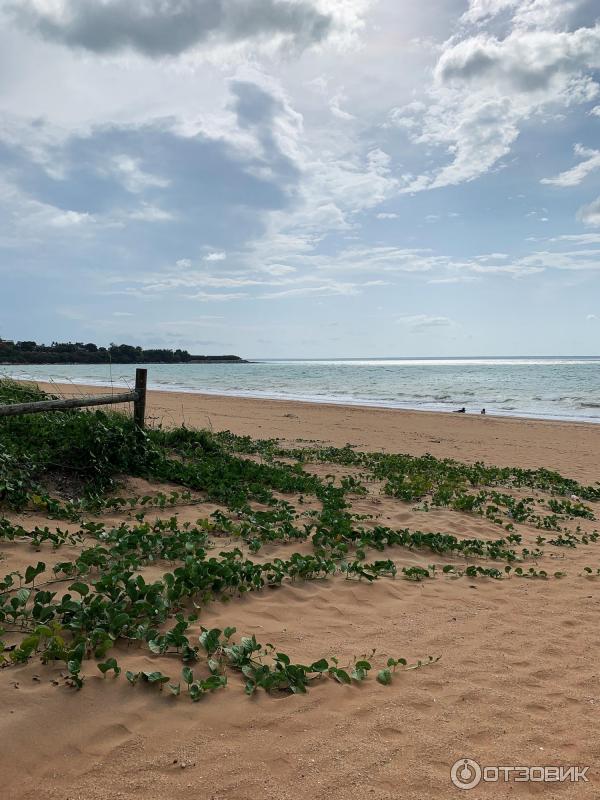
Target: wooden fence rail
(137, 397)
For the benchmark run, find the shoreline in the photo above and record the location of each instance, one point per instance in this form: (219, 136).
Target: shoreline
(570, 447)
(329, 401)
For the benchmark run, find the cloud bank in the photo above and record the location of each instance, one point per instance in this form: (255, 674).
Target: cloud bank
(487, 85)
(157, 28)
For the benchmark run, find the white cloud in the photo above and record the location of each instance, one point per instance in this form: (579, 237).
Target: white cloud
(278, 269)
(379, 259)
(387, 215)
(150, 213)
(534, 13)
(483, 133)
(165, 281)
(324, 290)
(493, 257)
(570, 260)
(406, 116)
(523, 62)
(480, 10)
(133, 177)
(590, 214)
(574, 176)
(335, 188)
(423, 321)
(486, 87)
(25, 218)
(216, 297)
(339, 112)
(591, 317)
(217, 255)
(58, 218)
(455, 279)
(578, 238)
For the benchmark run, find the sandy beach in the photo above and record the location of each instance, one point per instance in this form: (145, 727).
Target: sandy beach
(517, 682)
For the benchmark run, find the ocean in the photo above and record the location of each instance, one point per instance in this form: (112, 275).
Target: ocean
(549, 388)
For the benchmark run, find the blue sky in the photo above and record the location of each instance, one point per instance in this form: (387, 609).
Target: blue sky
(302, 178)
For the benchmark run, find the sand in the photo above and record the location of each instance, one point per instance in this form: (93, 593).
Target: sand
(518, 681)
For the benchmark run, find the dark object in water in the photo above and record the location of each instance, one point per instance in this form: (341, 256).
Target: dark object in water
(483, 410)
(460, 410)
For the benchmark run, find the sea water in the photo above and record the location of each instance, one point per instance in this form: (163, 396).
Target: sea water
(553, 388)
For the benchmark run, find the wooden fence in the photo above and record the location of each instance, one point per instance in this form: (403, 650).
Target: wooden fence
(137, 397)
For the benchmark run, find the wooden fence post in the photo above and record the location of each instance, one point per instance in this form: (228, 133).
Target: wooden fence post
(139, 405)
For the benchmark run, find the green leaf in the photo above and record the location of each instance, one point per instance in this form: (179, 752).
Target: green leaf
(249, 644)
(384, 676)
(155, 677)
(81, 588)
(31, 573)
(110, 663)
(214, 666)
(342, 676)
(249, 671)
(196, 691)
(210, 640)
(22, 596)
(214, 682)
(73, 667)
(120, 621)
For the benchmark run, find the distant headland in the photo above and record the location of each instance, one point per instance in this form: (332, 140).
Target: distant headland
(29, 352)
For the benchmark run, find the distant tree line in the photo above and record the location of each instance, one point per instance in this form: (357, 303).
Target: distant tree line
(80, 353)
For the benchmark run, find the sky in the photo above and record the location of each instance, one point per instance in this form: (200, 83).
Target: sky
(302, 178)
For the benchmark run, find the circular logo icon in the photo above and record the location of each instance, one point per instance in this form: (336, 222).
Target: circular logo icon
(465, 773)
